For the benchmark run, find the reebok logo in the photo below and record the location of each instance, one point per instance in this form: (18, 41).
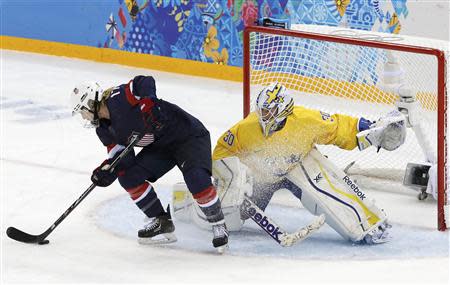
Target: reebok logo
(258, 216)
(354, 187)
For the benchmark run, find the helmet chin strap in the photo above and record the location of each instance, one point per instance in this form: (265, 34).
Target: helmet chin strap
(95, 121)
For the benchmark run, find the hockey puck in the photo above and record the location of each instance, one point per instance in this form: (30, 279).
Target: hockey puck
(45, 241)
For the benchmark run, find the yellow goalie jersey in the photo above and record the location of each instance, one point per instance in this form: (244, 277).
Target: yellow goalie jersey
(270, 158)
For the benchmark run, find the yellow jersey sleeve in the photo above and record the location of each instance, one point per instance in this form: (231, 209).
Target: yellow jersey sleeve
(337, 129)
(227, 145)
(240, 139)
(304, 128)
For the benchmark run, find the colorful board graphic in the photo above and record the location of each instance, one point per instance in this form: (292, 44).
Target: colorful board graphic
(202, 30)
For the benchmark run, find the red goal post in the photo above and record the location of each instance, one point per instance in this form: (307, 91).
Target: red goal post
(263, 48)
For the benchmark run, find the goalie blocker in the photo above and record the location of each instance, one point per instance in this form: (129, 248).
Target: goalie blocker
(325, 190)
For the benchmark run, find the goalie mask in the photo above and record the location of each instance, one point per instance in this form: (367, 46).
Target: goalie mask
(85, 100)
(273, 105)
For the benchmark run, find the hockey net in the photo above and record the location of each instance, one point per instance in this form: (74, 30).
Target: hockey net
(362, 74)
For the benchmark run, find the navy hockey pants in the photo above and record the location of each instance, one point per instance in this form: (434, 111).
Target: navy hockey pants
(192, 156)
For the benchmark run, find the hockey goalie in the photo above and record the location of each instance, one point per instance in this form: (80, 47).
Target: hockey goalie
(274, 148)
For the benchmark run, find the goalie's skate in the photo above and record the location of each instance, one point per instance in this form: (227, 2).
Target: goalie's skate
(159, 230)
(220, 238)
(380, 234)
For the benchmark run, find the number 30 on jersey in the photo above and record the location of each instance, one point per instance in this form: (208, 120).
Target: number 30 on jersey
(229, 138)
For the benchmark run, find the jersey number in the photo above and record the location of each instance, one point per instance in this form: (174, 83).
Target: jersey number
(326, 116)
(229, 138)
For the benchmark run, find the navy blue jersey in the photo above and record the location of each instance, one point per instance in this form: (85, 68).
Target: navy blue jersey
(134, 107)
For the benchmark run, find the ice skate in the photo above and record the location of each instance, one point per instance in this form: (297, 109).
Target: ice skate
(379, 234)
(158, 230)
(220, 238)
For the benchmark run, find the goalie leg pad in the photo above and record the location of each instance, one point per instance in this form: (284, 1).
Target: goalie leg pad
(328, 190)
(232, 181)
(186, 209)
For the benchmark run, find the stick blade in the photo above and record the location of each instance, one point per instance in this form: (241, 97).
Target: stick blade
(21, 236)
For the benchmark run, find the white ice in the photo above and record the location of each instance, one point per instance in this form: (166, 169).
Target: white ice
(46, 160)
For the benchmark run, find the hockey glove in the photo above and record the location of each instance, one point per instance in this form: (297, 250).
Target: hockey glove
(389, 133)
(102, 176)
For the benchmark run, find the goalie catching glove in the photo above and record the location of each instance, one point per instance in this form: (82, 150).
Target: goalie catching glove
(389, 132)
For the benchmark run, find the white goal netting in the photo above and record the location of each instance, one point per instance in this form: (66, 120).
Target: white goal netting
(361, 80)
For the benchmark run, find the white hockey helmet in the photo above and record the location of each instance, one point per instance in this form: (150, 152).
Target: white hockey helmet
(273, 105)
(85, 97)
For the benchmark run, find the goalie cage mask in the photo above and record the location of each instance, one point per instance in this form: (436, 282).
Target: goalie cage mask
(273, 106)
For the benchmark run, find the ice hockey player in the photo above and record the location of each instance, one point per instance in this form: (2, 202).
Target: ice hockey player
(170, 137)
(274, 148)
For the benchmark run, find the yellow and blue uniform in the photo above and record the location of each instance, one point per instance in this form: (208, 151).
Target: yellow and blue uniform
(271, 157)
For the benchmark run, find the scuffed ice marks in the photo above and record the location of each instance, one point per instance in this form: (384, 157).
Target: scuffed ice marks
(31, 112)
(120, 217)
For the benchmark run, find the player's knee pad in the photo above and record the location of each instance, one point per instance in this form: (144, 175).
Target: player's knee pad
(130, 178)
(197, 179)
(328, 190)
(136, 175)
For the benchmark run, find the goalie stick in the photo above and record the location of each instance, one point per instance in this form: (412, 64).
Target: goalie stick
(282, 237)
(21, 236)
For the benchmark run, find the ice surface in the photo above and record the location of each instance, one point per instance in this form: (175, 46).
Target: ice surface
(122, 218)
(46, 159)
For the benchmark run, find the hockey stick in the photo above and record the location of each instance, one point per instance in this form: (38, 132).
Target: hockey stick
(21, 236)
(258, 216)
(282, 237)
